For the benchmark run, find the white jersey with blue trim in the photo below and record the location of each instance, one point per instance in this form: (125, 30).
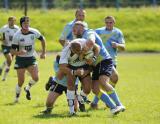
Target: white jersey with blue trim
(26, 41)
(91, 34)
(7, 34)
(107, 36)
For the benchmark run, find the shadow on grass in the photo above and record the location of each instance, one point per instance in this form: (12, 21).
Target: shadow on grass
(46, 116)
(11, 104)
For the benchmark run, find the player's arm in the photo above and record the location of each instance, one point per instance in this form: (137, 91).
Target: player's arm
(43, 44)
(63, 40)
(90, 41)
(120, 45)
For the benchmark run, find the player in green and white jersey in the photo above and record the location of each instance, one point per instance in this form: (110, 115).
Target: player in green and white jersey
(23, 46)
(6, 36)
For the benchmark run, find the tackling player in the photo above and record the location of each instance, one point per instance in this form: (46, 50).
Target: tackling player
(67, 31)
(113, 40)
(103, 63)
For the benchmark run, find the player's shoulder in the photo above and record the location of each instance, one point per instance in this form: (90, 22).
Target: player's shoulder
(33, 30)
(117, 30)
(4, 27)
(100, 29)
(16, 27)
(18, 32)
(71, 23)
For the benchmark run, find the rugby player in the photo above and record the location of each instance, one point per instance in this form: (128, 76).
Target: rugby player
(7, 32)
(113, 40)
(23, 47)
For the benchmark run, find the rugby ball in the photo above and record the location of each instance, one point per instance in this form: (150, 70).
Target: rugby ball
(89, 54)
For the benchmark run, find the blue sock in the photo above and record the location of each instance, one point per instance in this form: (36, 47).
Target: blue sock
(95, 100)
(106, 99)
(115, 97)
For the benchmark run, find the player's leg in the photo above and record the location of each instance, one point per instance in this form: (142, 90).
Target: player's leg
(4, 63)
(8, 60)
(21, 78)
(33, 70)
(114, 77)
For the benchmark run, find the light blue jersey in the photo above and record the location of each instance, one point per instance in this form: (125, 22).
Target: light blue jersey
(63, 81)
(103, 52)
(67, 31)
(108, 37)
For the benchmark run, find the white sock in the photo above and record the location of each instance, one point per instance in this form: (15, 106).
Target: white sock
(18, 89)
(6, 72)
(30, 84)
(3, 65)
(70, 98)
(83, 94)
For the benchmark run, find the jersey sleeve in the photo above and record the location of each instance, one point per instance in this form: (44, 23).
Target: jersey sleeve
(65, 32)
(91, 36)
(121, 38)
(65, 54)
(15, 40)
(37, 34)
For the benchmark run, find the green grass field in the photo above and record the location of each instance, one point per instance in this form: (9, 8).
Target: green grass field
(139, 25)
(138, 89)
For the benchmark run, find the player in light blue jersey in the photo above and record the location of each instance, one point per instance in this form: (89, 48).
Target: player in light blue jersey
(67, 31)
(102, 68)
(113, 40)
(57, 87)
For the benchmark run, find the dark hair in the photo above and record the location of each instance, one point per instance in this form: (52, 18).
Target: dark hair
(23, 19)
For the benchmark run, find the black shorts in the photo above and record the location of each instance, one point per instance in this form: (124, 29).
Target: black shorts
(24, 62)
(58, 88)
(85, 67)
(6, 49)
(104, 67)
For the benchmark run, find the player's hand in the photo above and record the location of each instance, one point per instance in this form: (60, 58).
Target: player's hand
(114, 44)
(22, 52)
(43, 55)
(79, 72)
(89, 61)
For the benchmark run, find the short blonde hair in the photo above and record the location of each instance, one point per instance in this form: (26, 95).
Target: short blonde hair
(110, 17)
(12, 18)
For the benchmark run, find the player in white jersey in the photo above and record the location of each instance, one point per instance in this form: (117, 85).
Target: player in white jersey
(72, 65)
(23, 46)
(79, 16)
(6, 33)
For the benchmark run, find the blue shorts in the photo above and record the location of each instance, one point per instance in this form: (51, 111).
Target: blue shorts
(104, 67)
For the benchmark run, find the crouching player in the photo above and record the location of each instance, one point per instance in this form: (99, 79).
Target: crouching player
(56, 87)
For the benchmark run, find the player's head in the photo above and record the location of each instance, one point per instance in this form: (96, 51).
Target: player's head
(80, 14)
(11, 21)
(109, 21)
(24, 22)
(76, 46)
(78, 29)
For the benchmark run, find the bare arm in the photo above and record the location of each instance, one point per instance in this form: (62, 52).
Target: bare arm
(120, 47)
(43, 44)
